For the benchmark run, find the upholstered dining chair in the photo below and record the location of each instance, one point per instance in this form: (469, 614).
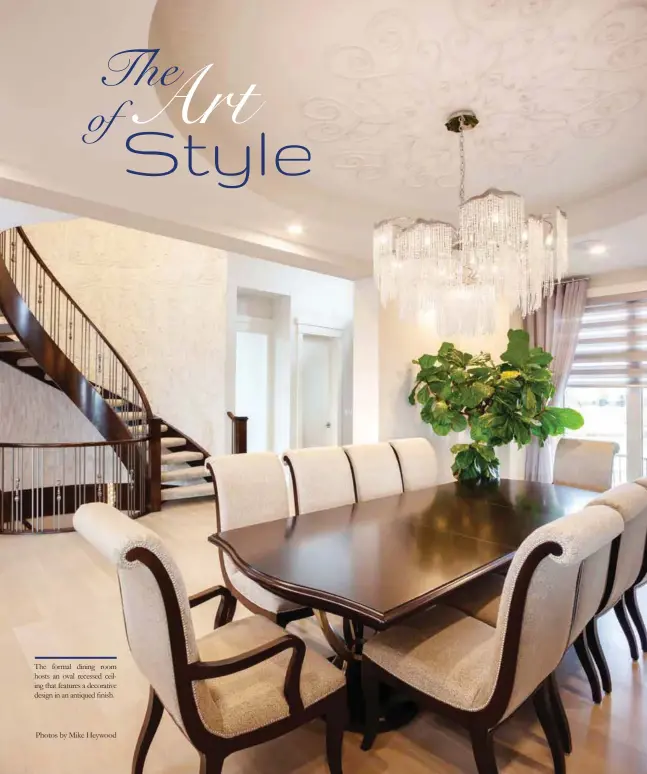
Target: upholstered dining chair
(376, 471)
(630, 500)
(321, 478)
(250, 489)
(584, 464)
(418, 463)
(244, 683)
(479, 674)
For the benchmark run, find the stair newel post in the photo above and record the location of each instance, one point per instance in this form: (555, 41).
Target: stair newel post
(155, 465)
(238, 433)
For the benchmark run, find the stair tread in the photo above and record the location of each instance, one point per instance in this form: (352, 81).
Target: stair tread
(184, 474)
(171, 441)
(182, 492)
(12, 346)
(142, 427)
(5, 329)
(176, 458)
(116, 402)
(27, 362)
(131, 416)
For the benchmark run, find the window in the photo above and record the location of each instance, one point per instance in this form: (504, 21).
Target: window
(608, 382)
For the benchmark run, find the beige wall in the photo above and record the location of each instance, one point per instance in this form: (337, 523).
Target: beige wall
(161, 304)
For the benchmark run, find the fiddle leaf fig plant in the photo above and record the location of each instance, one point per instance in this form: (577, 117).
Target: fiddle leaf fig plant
(499, 403)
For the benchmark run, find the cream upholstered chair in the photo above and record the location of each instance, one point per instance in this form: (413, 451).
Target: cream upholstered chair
(631, 600)
(250, 489)
(321, 478)
(375, 470)
(418, 463)
(630, 500)
(584, 464)
(244, 683)
(480, 674)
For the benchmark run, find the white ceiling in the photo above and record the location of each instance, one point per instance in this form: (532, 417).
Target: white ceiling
(559, 86)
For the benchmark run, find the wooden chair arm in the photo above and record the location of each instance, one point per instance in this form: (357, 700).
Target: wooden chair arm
(206, 670)
(207, 594)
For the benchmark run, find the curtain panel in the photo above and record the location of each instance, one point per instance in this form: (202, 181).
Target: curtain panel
(555, 327)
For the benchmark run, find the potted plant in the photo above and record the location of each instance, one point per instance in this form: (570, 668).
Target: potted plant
(500, 403)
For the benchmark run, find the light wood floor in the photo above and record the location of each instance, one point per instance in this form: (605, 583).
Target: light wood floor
(58, 596)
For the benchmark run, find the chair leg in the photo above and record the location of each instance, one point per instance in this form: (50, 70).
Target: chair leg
(335, 724)
(560, 714)
(151, 722)
(483, 749)
(593, 642)
(371, 690)
(211, 764)
(636, 616)
(541, 701)
(584, 655)
(226, 611)
(623, 619)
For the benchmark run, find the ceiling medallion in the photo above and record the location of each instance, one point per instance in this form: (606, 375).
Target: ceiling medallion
(458, 277)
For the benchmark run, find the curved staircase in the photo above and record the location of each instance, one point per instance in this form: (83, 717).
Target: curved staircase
(45, 334)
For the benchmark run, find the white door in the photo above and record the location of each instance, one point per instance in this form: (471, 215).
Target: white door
(253, 392)
(319, 391)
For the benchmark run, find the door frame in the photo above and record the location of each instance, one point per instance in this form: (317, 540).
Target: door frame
(335, 336)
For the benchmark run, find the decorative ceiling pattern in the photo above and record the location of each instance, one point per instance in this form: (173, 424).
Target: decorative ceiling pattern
(558, 85)
(537, 78)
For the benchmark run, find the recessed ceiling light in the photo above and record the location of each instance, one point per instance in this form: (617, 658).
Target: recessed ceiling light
(295, 229)
(597, 248)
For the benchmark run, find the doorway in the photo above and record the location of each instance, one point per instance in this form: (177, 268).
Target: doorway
(319, 387)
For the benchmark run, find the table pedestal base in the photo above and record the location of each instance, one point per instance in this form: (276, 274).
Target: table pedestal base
(396, 711)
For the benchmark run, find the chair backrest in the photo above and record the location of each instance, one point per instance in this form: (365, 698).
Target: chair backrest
(584, 464)
(115, 535)
(418, 463)
(538, 603)
(630, 500)
(375, 470)
(321, 478)
(249, 488)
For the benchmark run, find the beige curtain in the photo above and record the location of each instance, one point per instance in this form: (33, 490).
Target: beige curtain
(555, 327)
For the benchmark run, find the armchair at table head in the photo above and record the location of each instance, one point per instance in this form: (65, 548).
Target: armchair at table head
(242, 684)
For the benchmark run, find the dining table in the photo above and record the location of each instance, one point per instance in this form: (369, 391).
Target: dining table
(378, 562)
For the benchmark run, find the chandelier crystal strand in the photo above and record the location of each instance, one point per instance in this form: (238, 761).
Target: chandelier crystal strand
(456, 279)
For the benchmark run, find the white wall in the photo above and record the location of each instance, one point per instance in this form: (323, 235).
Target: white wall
(161, 303)
(301, 297)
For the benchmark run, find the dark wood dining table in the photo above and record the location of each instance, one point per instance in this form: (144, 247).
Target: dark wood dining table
(377, 562)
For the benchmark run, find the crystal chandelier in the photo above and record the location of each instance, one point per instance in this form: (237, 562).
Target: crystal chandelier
(458, 278)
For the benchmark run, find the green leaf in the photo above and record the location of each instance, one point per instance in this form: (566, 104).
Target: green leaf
(413, 396)
(568, 418)
(446, 349)
(518, 350)
(540, 357)
(459, 447)
(459, 422)
(529, 400)
(475, 393)
(509, 374)
(426, 361)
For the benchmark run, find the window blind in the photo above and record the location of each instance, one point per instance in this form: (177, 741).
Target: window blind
(612, 345)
